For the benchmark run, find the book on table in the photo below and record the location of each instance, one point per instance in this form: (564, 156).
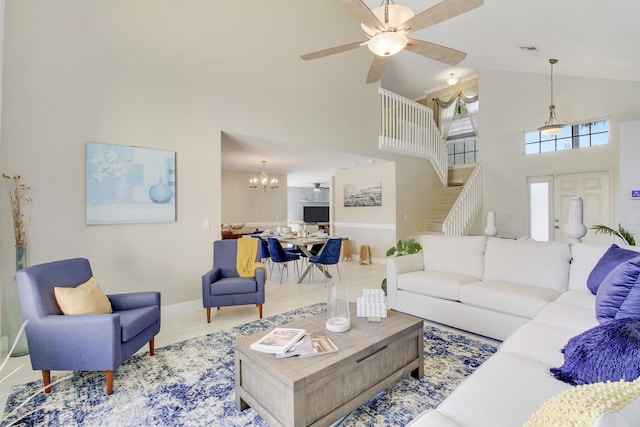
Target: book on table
(279, 340)
(313, 344)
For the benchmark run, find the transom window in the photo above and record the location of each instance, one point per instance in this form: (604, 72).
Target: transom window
(581, 135)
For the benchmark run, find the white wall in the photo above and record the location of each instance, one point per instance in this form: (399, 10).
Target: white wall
(240, 204)
(630, 177)
(512, 103)
(367, 225)
(173, 76)
(298, 197)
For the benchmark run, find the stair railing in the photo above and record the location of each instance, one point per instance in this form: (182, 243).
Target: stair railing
(407, 127)
(466, 207)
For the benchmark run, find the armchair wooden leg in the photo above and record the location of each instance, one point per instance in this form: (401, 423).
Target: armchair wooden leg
(260, 309)
(109, 382)
(208, 314)
(46, 379)
(152, 346)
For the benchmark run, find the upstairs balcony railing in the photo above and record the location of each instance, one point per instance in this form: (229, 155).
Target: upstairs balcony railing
(467, 206)
(408, 127)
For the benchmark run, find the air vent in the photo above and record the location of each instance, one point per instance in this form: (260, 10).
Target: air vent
(529, 48)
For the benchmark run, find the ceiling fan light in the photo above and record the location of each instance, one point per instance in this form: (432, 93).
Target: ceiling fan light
(398, 15)
(453, 80)
(387, 44)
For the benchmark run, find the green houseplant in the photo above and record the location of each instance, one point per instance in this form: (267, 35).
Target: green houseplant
(403, 247)
(623, 234)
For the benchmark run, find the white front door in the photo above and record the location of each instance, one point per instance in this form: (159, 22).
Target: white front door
(594, 188)
(549, 198)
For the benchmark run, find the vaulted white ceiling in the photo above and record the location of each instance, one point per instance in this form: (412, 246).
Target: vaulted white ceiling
(590, 39)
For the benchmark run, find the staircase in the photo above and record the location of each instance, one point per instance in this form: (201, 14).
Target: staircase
(407, 127)
(441, 207)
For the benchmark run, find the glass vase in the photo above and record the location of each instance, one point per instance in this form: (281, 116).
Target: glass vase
(14, 313)
(338, 319)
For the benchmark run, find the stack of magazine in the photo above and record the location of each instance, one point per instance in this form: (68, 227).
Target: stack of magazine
(287, 342)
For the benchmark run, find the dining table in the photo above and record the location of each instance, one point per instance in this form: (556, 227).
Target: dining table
(303, 244)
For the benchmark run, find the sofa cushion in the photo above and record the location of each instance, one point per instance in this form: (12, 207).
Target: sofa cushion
(136, 320)
(584, 258)
(608, 352)
(458, 254)
(433, 283)
(503, 392)
(538, 342)
(526, 262)
(567, 316)
(518, 300)
(580, 298)
(432, 418)
(612, 258)
(234, 285)
(618, 295)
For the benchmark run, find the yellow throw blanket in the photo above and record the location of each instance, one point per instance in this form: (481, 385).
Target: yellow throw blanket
(246, 258)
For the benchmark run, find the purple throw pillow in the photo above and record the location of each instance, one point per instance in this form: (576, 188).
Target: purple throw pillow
(608, 352)
(611, 258)
(618, 296)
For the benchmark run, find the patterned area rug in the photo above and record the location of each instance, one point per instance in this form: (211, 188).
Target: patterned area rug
(191, 383)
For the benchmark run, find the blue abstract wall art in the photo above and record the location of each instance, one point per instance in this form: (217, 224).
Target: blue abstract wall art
(129, 184)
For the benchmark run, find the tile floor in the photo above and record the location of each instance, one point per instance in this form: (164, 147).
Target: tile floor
(280, 297)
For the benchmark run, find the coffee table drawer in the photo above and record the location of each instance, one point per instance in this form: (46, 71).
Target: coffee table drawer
(345, 382)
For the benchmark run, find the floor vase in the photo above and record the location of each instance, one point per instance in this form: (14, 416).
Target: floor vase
(14, 313)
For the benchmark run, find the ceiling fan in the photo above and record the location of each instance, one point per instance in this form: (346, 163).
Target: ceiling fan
(318, 187)
(387, 26)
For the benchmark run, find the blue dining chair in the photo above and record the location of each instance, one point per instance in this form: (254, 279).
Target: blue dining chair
(330, 255)
(263, 249)
(281, 257)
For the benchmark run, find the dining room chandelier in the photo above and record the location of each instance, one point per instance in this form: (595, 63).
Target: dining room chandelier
(262, 183)
(552, 126)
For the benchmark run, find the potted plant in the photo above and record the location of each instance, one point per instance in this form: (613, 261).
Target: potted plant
(623, 234)
(403, 247)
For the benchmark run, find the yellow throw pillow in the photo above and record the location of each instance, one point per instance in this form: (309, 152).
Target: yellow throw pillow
(86, 298)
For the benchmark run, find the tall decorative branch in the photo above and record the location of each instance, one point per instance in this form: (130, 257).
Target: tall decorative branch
(18, 194)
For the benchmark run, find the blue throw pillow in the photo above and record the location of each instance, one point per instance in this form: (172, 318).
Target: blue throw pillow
(608, 352)
(618, 296)
(611, 258)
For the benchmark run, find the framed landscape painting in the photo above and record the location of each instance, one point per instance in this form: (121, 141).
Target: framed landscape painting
(129, 184)
(356, 195)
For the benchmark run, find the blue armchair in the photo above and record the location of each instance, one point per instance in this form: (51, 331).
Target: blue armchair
(222, 286)
(96, 342)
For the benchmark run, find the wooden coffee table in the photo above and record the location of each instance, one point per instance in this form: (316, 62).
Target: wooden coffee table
(319, 390)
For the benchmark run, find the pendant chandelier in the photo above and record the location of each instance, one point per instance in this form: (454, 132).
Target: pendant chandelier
(262, 184)
(552, 126)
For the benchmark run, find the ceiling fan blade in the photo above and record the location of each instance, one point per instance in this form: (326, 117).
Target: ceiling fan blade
(363, 13)
(376, 69)
(435, 51)
(440, 12)
(332, 50)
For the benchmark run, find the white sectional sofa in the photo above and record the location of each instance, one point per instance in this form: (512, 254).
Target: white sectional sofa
(530, 295)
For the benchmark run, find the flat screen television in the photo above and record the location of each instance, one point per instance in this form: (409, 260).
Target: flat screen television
(313, 214)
